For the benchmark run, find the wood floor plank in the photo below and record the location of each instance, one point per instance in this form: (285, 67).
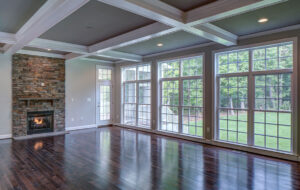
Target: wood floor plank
(116, 158)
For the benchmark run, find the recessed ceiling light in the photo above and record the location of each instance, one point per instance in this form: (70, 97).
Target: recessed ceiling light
(160, 44)
(263, 20)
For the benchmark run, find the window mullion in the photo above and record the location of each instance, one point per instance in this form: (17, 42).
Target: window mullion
(180, 98)
(251, 95)
(137, 103)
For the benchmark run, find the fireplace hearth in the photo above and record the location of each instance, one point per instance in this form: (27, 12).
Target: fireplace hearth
(39, 122)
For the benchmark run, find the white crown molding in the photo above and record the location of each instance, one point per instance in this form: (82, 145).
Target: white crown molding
(42, 54)
(96, 60)
(7, 38)
(268, 32)
(259, 34)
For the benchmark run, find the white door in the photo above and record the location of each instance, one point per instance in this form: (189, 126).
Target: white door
(104, 96)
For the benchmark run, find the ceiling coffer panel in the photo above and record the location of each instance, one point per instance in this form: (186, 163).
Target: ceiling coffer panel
(95, 22)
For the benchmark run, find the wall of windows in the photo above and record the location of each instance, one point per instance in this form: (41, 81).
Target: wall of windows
(181, 96)
(136, 95)
(254, 96)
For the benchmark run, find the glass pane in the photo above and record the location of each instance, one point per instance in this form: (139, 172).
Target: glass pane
(192, 121)
(192, 66)
(145, 93)
(130, 114)
(105, 101)
(144, 72)
(273, 92)
(274, 57)
(192, 93)
(130, 93)
(169, 118)
(170, 93)
(233, 62)
(144, 107)
(129, 73)
(170, 69)
(286, 56)
(235, 124)
(233, 92)
(144, 116)
(104, 74)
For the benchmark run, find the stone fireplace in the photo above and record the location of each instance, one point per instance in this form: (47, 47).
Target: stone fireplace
(38, 95)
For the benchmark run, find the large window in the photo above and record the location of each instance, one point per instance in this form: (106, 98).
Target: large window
(136, 87)
(181, 104)
(254, 96)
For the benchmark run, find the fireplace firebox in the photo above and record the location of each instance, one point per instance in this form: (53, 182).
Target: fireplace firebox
(39, 122)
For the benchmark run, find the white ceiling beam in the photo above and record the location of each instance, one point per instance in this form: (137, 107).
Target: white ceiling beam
(154, 10)
(39, 53)
(77, 51)
(223, 9)
(7, 38)
(106, 54)
(121, 55)
(142, 34)
(168, 15)
(58, 46)
(96, 60)
(215, 34)
(52, 12)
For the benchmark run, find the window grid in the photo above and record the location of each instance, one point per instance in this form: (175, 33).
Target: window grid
(273, 57)
(144, 107)
(137, 95)
(104, 94)
(181, 109)
(105, 101)
(269, 131)
(104, 74)
(269, 98)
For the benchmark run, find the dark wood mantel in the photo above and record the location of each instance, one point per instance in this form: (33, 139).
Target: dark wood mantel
(40, 99)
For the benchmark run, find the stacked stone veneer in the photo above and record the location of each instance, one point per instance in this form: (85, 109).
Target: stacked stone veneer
(34, 77)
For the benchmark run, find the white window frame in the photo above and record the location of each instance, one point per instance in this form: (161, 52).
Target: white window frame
(251, 96)
(136, 82)
(108, 83)
(180, 88)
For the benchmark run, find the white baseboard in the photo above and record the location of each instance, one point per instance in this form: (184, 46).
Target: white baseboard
(81, 127)
(6, 136)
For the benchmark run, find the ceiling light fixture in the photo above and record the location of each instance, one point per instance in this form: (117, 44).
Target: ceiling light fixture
(263, 20)
(49, 49)
(160, 44)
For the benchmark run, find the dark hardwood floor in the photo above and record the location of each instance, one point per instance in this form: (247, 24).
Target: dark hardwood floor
(115, 158)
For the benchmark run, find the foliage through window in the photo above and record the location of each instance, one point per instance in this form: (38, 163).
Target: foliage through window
(265, 74)
(181, 108)
(136, 104)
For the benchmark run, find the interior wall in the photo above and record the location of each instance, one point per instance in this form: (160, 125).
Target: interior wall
(208, 76)
(81, 94)
(5, 96)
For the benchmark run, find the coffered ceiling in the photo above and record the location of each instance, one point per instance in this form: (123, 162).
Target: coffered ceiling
(15, 13)
(114, 30)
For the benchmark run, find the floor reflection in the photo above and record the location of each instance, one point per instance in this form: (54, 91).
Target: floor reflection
(115, 158)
